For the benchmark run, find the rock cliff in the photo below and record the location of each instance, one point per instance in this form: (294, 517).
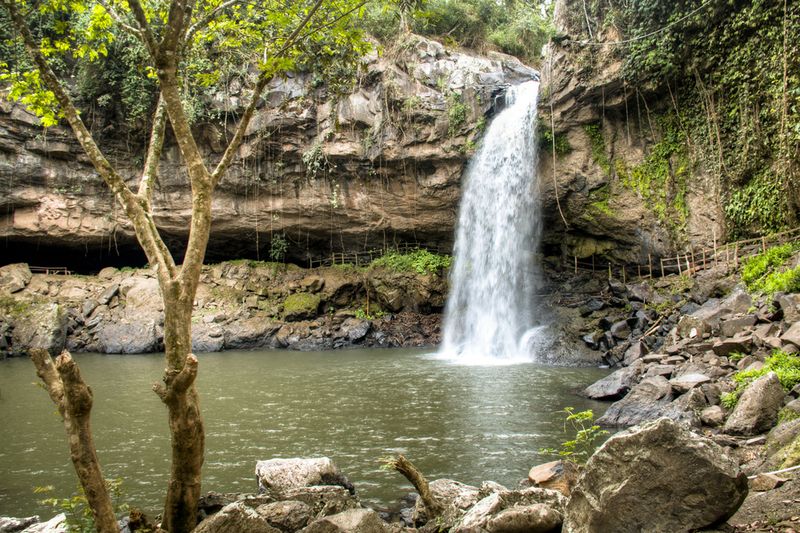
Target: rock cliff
(623, 178)
(375, 167)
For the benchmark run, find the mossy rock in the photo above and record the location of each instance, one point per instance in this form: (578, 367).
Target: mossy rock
(301, 306)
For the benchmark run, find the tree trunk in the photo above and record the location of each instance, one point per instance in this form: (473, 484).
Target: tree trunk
(74, 399)
(185, 421)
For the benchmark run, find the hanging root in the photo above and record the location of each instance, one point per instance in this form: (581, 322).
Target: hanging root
(433, 507)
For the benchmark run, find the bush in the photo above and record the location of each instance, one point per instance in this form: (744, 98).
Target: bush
(587, 433)
(763, 273)
(786, 367)
(419, 261)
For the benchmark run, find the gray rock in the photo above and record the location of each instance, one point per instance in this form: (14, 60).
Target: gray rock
(128, 336)
(14, 277)
(355, 329)
(536, 518)
(757, 410)
(57, 524)
(621, 330)
(107, 273)
(659, 370)
(478, 516)
(289, 515)
(790, 306)
(39, 326)
(107, 294)
(323, 499)
(659, 477)
(615, 385)
(207, 337)
(732, 326)
(350, 521)
(685, 382)
(713, 416)
(279, 475)
(782, 435)
(792, 335)
(738, 344)
(456, 498)
(645, 401)
(636, 351)
(235, 518)
(14, 525)
(250, 333)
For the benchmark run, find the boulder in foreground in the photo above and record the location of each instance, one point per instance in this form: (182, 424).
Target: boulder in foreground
(657, 477)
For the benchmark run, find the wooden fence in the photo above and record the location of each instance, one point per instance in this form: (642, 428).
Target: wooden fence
(688, 262)
(64, 271)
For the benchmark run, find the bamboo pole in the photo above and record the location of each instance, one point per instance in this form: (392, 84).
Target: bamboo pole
(662, 266)
(609, 270)
(624, 276)
(688, 265)
(576, 264)
(650, 264)
(678, 261)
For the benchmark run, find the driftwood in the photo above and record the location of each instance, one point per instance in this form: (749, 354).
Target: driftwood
(73, 398)
(433, 507)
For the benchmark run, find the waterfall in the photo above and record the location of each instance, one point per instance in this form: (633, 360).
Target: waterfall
(491, 313)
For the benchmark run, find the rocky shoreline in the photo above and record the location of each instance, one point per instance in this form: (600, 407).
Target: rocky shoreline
(239, 305)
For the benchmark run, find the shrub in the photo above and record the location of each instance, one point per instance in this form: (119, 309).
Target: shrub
(419, 261)
(786, 367)
(763, 273)
(587, 433)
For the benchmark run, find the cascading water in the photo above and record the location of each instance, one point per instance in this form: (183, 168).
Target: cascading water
(491, 315)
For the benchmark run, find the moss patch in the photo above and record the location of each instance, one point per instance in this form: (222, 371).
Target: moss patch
(300, 305)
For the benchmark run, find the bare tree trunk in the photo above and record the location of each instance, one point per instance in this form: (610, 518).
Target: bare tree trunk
(74, 399)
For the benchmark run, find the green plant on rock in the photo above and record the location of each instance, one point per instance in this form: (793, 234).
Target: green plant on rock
(278, 247)
(373, 314)
(764, 273)
(598, 146)
(419, 261)
(786, 367)
(587, 435)
(562, 145)
(456, 114)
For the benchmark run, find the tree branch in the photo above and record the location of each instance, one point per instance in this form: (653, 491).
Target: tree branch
(146, 33)
(150, 173)
(203, 22)
(238, 136)
(78, 398)
(119, 20)
(146, 232)
(47, 372)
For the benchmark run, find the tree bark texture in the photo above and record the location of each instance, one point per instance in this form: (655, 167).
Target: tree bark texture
(74, 399)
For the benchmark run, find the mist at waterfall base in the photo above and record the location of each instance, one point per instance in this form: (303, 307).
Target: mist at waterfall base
(491, 315)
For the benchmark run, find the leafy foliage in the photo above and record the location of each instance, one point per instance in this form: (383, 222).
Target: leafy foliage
(733, 69)
(76, 508)
(278, 247)
(763, 272)
(419, 261)
(786, 367)
(587, 434)
(515, 27)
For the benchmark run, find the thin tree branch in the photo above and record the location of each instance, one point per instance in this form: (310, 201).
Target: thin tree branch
(119, 20)
(203, 22)
(238, 136)
(150, 173)
(146, 34)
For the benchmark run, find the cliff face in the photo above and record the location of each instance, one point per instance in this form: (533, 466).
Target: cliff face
(379, 166)
(624, 180)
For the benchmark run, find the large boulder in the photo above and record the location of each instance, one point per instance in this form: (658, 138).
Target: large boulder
(128, 336)
(280, 475)
(758, 407)
(536, 518)
(658, 477)
(39, 325)
(350, 521)
(235, 518)
(555, 475)
(14, 277)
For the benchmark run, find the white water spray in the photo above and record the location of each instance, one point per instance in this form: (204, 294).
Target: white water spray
(491, 315)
